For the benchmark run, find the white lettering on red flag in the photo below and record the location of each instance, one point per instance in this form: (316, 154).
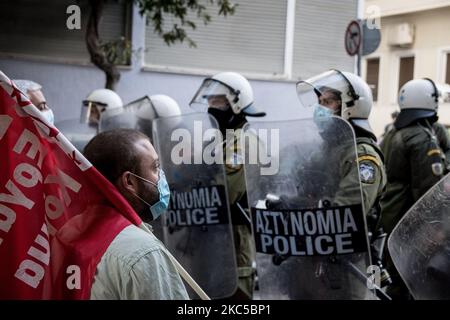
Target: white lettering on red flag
(56, 210)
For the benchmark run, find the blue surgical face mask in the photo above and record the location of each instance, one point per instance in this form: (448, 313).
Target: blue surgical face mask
(48, 114)
(322, 112)
(155, 210)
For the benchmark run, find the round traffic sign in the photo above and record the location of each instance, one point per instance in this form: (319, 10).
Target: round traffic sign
(371, 39)
(353, 38)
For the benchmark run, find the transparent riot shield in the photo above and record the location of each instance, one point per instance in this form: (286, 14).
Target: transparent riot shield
(197, 226)
(420, 244)
(127, 117)
(306, 209)
(79, 134)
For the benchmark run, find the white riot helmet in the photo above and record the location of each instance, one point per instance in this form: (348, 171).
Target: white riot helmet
(161, 106)
(417, 99)
(98, 102)
(346, 94)
(231, 85)
(153, 107)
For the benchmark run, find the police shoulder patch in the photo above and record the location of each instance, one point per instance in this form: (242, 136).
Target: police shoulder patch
(367, 172)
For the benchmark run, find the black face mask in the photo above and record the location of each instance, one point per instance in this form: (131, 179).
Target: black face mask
(221, 116)
(433, 119)
(226, 119)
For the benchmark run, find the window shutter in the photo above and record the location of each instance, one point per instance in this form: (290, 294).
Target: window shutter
(252, 40)
(319, 36)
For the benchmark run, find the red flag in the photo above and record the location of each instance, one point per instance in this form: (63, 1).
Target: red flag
(58, 214)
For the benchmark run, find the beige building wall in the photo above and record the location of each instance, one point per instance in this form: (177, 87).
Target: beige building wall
(395, 7)
(430, 45)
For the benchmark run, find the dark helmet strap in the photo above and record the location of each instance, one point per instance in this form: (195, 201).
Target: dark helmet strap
(436, 92)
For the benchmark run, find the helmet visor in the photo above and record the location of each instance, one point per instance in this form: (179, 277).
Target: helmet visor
(212, 94)
(330, 89)
(143, 108)
(91, 112)
(137, 114)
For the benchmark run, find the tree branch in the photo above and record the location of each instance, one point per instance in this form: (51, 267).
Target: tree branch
(98, 56)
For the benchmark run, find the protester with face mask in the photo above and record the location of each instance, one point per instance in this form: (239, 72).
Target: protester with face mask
(33, 91)
(136, 264)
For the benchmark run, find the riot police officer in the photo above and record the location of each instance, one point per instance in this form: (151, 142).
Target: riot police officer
(98, 103)
(140, 113)
(417, 154)
(161, 106)
(229, 99)
(346, 95)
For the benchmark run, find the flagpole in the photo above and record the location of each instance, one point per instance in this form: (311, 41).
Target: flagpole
(183, 273)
